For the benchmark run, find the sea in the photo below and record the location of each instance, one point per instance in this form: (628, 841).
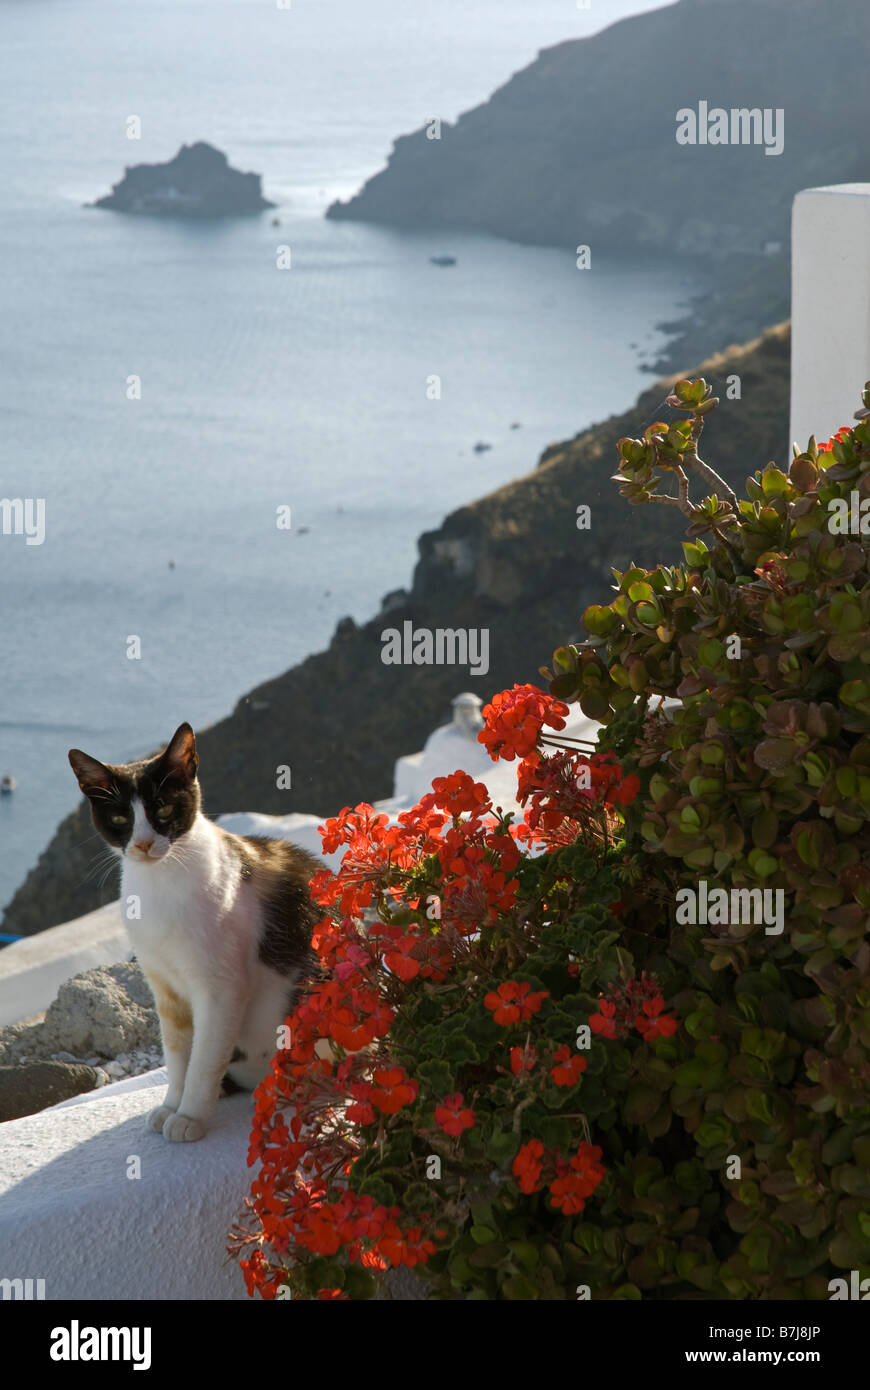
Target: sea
(168, 391)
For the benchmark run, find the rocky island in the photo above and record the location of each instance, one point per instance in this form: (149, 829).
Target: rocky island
(198, 182)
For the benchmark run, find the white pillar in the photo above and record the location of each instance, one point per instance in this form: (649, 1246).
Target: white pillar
(830, 295)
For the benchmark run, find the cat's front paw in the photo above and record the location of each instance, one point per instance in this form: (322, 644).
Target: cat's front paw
(183, 1129)
(156, 1119)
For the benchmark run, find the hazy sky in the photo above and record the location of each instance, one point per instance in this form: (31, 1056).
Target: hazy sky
(603, 12)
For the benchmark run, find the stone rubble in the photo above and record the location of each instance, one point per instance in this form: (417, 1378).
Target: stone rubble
(102, 1027)
(135, 1063)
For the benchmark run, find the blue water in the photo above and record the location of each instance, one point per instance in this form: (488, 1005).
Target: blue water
(260, 387)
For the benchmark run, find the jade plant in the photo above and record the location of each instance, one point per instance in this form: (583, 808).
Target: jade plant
(760, 779)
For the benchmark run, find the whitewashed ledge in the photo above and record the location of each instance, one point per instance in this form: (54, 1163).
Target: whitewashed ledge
(70, 1215)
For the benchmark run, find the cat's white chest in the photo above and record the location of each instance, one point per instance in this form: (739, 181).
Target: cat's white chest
(187, 918)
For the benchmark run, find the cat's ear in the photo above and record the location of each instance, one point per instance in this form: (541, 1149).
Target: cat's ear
(94, 777)
(179, 760)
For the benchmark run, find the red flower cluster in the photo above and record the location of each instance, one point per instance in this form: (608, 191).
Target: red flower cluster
(577, 1179)
(639, 1004)
(339, 1089)
(607, 782)
(515, 718)
(459, 793)
(570, 1182)
(567, 788)
(477, 861)
(841, 435)
(305, 1162)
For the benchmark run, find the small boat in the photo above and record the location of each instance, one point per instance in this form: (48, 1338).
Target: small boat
(7, 784)
(443, 260)
(481, 447)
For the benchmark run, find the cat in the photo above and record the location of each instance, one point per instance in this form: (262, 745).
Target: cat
(224, 929)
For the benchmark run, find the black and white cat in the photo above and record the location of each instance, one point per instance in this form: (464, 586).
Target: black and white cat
(224, 928)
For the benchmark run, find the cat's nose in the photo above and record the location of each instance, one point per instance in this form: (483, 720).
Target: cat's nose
(143, 845)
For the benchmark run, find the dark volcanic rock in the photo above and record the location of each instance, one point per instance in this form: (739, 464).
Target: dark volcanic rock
(25, 1090)
(513, 562)
(580, 147)
(198, 182)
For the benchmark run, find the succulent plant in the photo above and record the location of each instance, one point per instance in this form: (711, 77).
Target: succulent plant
(760, 779)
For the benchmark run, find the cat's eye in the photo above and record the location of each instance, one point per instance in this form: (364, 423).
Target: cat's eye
(119, 820)
(163, 812)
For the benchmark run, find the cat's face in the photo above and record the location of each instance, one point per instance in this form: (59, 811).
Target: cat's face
(142, 809)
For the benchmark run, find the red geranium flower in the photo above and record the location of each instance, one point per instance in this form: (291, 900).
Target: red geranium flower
(361, 1113)
(650, 1025)
(577, 1180)
(568, 1066)
(604, 1022)
(452, 1118)
(522, 1059)
(392, 1089)
(527, 1166)
(842, 434)
(459, 792)
(400, 959)
(638, 1004)
(512, 1002)
(409, 1249)
(514, 720)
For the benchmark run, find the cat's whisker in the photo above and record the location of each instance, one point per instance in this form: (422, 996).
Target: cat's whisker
(94, 868)
(80, 843)
(105, 876)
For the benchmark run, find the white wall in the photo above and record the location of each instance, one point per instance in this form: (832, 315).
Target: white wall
(830, 354)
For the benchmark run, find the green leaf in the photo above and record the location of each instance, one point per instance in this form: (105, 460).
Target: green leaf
(483, 1235)
(518, 1287)
(525, 1253)
(564, 686)
(595, 705)
(600, 621)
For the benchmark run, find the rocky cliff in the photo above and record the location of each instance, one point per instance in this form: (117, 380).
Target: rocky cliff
(513, 562)
(198, 182)
(580, 147)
